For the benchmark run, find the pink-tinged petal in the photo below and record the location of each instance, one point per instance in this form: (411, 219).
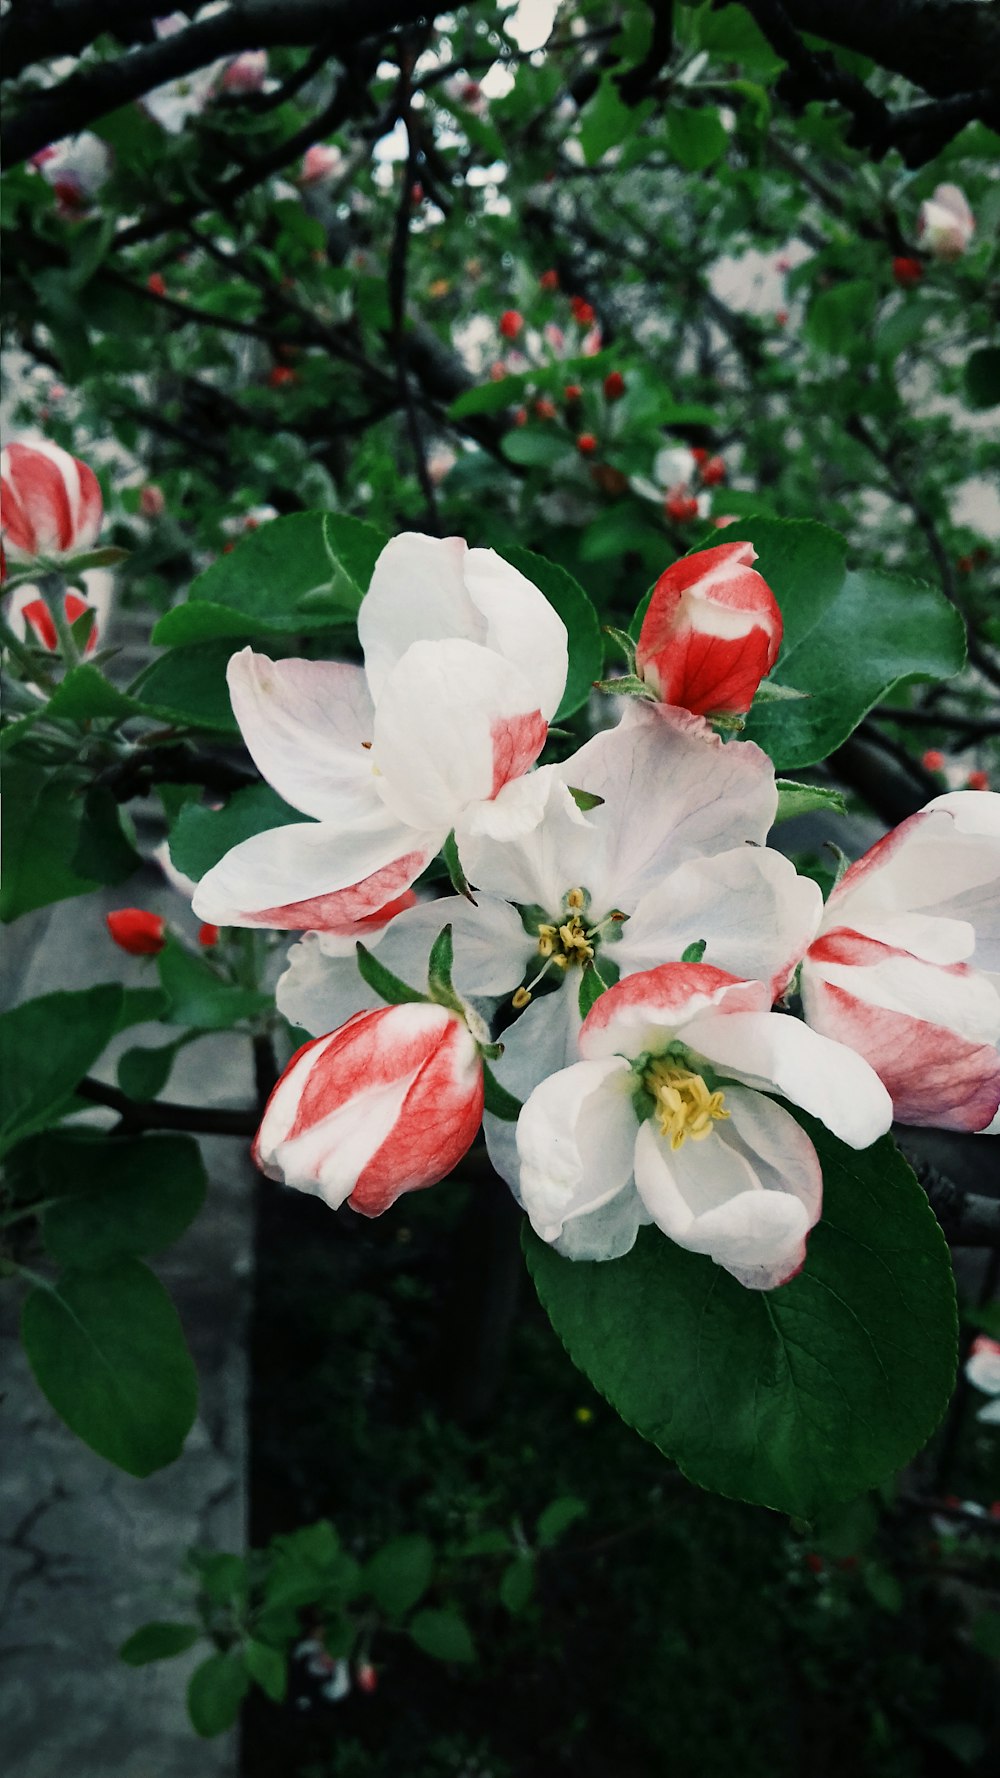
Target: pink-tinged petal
(982, 1366)
(953, 995)
(454, 724)
(521, 625)
(643, 1012)
(387, 1104)
(671, 791)
(711, 632)
(932, 885)
(934, 1075)
(417, 594)
(756, 915)
(575, 1140)
(747, 1196)
(314, 874)
(776, 1053)
(51, 502)
(308, 727)
(321, 986)
(554, 852)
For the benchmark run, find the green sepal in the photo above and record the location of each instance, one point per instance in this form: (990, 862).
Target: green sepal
(625, 643)
(628, 686)
(497, 1099)
(695, 952)
(439, 983)
(799, 799)
(584, 799)
(770, 692)
(386, 985)
(453, 865)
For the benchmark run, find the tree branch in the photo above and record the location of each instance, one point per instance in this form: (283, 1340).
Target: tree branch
(93, 92)
(162, 1114)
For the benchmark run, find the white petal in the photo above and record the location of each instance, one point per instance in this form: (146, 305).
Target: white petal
(454, 722)
(747, 1195)
(262, 880)
(538, 867)
(520, 624)
(607, 1233)
(308, 727)
(780, 1054)
(646, 1011)
(755, 913)
(327, 1157)
(540, 1042)
(575, 1138)
(960, 999)
(417, 594)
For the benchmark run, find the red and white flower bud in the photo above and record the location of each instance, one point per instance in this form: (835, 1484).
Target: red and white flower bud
(51, 503)
(76, 168)
(711, 633)
(33, 614)
(137, 931)
(321, 164)
(246, 73)
(946, 224)
(152, 501)
(387, 1104)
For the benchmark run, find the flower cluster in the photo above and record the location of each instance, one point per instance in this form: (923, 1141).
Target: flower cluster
(612, 987)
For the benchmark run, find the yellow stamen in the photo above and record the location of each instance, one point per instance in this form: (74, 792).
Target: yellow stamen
(521, 998)
(684, 1104)
(575, 901)
(547, 936)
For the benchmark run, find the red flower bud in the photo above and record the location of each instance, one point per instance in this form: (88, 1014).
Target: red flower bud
(582, 311)
(416, 193)
(614, 385)
(387, 1104)
(713, 471)
(521, 417)
(156, 284)
(814, 1563)
(711, 631)
(933, 760)
(781, 317)
(680, 506)
(544, 408)
(699, 453)
(978, 781)
(572, 391)
(549, 280)
(280, 375)
(37, 614)
(907, 272)
(137, 931)
(511, 324)
(586, 444)
(366, 1677)
(208, 934)
(152, 501)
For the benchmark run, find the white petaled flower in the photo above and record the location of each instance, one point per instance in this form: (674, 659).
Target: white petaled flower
(669, 1106)
(176, 101)
(673, 856)
(906, 965)
(76, 169)
(946, 224)
(465, 664)
(675, 466)
(982, 1369)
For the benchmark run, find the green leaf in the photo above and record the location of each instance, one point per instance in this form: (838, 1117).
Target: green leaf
(398, 1574)
(269, 1668)
(982, 378)
(696, 138)
(517, 1583)
(497, 1099)
(42, 822)
(197, 995)
(143, 1073)
(86, 696)
(877, 631)
(158, 1642)
(793, 1398)
(46, 1047)
(188, 685)
(119, 1195)
(215, 1692)
(201, 836)
(444, 1635)
(292, 576)
(839, 320)
(557, 1517)
(536, 447)
(606, 120)
(567, 597)
(386, 985)
(108, 1353)
(592, 986)
(800, 799)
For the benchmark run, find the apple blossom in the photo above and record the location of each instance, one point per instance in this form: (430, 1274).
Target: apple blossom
(51, 503)
(906, 963)
(946, 224)
(669, 1107)
(675, 470)
(76, 169)
(982, 1369)
(387, 1104)
(711, 632)
(246, 73)
(137, 931)
(173, 103)
(465, 664)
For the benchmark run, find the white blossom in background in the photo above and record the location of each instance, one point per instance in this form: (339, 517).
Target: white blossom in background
(982, 1369)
